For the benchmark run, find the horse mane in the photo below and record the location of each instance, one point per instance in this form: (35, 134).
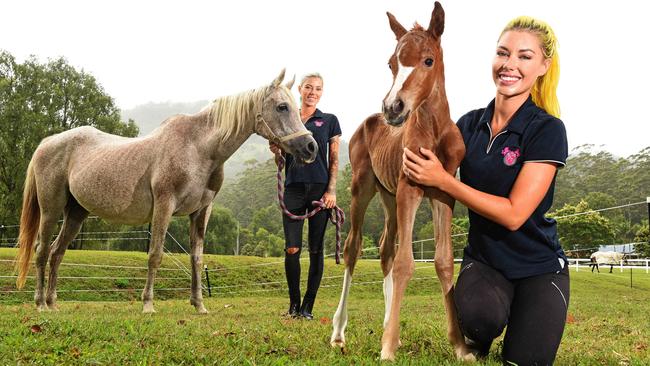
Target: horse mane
(417, 27)
(230, 115)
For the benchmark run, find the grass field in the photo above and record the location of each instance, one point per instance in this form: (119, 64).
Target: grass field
(608, 321)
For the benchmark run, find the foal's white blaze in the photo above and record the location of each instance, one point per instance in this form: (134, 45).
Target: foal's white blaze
(340, 320)
(403, 74)
(388, 295)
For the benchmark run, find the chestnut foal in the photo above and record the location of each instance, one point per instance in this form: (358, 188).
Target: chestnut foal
(415, 114)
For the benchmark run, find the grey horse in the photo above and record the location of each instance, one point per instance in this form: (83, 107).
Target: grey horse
(176, 170)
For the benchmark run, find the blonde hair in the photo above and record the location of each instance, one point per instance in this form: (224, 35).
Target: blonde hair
(311, 75)
(544, 91)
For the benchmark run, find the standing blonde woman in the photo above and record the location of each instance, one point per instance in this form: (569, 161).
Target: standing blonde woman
(514, 272)
(304, 184)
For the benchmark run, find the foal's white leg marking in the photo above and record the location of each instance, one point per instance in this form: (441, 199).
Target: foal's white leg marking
(340, 320)
(388, 295)
(403, 73)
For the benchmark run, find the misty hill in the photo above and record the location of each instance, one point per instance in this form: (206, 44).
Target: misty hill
(150, 115)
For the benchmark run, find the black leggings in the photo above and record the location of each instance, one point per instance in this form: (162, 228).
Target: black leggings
(533, 308)
(298, 198)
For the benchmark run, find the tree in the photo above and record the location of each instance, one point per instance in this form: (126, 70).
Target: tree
(267, 244)
(276, 246)
(592, 171)
(584, 231)
(221, 234)
(245, 237)
(38, 100)
(269, 218)
(643, 238)
(248, 249)
(262, 243)
(260, 250)
(255, 188)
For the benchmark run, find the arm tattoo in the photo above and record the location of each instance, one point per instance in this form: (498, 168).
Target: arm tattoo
(334, 164)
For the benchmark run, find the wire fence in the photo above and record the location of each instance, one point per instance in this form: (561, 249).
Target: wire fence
(277, 285)
(106, 284)
(180, 274)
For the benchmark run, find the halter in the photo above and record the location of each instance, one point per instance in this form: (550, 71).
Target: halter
(275, 138)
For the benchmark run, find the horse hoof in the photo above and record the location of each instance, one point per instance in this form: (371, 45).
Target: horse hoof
(338, 342)
(41, 308)
(201, 310)
(387, 355)
(465, 355)
(470, 357)
(148, 309)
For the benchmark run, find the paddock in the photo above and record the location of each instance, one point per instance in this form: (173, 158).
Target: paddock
(100, 319)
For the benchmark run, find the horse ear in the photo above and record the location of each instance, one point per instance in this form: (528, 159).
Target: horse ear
(279, 79)
(437, 23)
(397, 28)
(289, 83)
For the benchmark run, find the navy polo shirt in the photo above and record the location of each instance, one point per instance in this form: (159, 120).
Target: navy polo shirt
(323, 126)
(491, 165)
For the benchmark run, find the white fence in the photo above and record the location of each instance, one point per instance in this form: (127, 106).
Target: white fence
(579, 264)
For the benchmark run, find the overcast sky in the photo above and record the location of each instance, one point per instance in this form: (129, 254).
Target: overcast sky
(184, 51)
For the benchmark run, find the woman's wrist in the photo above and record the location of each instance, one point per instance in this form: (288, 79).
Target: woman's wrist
(446, 183)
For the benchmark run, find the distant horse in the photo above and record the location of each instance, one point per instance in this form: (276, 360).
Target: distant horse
(607, 258)
(415, 114)
(176, 170)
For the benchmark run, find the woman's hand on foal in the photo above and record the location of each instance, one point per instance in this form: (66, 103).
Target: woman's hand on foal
(329, 199)
(427, 171)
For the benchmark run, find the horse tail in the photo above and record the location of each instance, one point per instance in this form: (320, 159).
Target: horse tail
(30, 218)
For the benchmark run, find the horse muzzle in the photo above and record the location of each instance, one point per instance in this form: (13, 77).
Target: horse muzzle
(303, 148)
(396, 120)
(395, 114)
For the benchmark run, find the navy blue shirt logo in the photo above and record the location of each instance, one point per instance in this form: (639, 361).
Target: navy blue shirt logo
(510, 155)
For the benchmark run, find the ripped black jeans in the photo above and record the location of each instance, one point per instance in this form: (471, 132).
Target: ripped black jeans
(298, 198)
(534, 309)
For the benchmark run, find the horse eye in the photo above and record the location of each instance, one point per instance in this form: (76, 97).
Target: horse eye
(428, 62)
(282, 107)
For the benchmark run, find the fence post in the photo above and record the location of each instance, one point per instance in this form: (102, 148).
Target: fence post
(207, 279)
(647, 200)
(621, 266)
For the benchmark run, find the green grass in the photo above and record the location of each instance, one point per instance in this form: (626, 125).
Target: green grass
(608, 322)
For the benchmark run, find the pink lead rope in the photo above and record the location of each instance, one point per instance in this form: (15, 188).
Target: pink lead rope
(337, 219)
